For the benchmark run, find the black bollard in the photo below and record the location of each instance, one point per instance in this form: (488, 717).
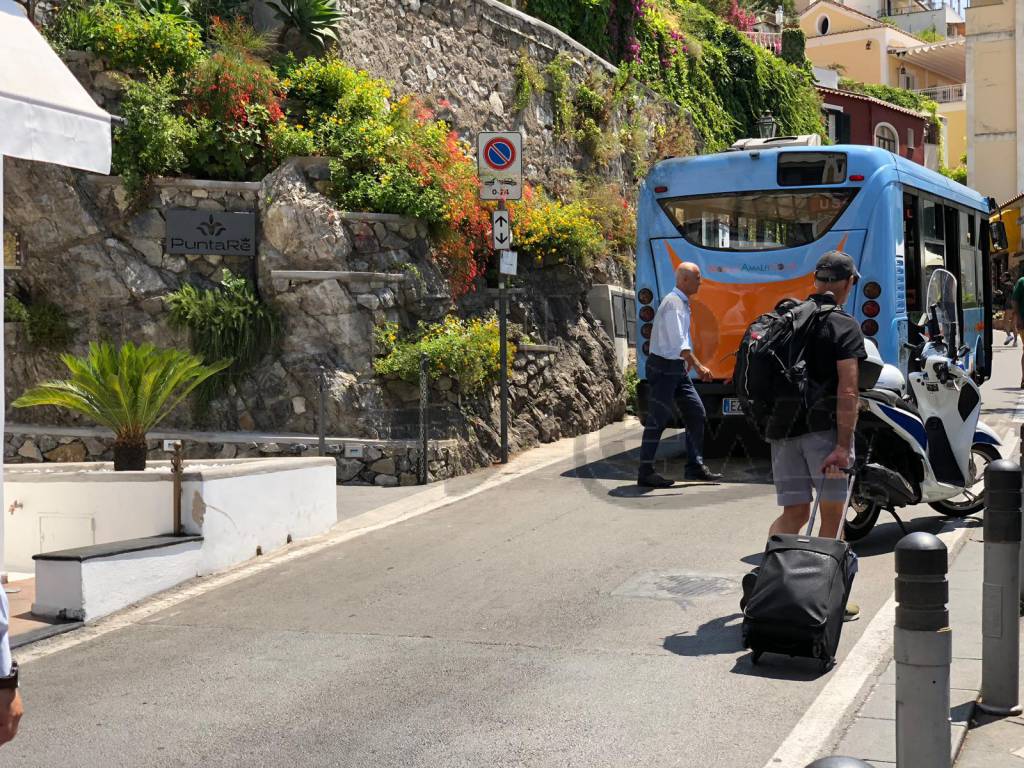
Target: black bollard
(1000, 654)
(839, 762)
(923, 651)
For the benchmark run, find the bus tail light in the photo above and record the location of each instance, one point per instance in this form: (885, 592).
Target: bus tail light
(647, 314)
(870, 327)
(857, 177)
(659, 190)
(645, 330)
(872, 290)
(871, 308)
(646, 295)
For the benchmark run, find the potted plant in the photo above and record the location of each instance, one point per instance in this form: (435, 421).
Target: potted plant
(130, 390)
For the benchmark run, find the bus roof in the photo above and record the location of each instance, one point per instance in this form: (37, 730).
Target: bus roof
(732, 171)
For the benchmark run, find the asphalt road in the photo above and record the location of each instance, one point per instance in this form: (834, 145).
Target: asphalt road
(561, 619)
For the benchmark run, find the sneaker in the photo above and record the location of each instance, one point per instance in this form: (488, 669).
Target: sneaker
(653, 480)
(852, 612)
(702, 473)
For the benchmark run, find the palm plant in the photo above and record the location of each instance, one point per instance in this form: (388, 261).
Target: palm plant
(130, 390)
(315, 20)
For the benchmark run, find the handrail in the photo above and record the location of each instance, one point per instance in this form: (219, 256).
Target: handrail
(772, 41)
(945, 94)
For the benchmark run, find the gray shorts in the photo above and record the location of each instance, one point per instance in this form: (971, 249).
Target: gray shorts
(796, 469)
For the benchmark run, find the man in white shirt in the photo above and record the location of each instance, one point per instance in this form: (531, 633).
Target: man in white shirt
(669, 385)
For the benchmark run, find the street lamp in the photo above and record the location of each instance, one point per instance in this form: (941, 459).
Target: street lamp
(780, 17)
(766, 126)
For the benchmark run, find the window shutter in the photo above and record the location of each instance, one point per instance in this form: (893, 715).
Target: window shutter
(842, 128)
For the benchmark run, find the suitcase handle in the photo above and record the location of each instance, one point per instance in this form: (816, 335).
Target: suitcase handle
(817, 500)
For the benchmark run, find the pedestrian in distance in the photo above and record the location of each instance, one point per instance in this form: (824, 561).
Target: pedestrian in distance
(668, 366)
(816, 451)
(10, 698)
(1017, 299)
(1003, 298)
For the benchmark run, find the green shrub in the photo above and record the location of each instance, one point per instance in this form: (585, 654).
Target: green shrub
(155, 139)
(631, 380)
(550, 233)
(14, 310)
(316, 21)
(901, 97)
(464, 350)
(129, 38)
(224, 322)
(794, 44)
(528, 80)
(47, 326)
(328, 87)
(288, 140)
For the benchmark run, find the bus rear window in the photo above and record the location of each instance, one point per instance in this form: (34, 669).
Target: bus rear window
(757, 221)
(806, 169)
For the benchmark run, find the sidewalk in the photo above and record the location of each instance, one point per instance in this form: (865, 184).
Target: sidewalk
(994, 742)
(872, 735)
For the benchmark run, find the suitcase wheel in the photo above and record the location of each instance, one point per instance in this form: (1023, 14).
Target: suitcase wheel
(827, 664)
(755, 656)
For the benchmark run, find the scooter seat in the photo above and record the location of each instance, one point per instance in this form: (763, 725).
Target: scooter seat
(890, 398)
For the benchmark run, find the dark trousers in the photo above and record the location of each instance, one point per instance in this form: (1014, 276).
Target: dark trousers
(669, 386)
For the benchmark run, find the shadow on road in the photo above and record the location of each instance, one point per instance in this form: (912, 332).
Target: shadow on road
(778, 667)
(713, 637)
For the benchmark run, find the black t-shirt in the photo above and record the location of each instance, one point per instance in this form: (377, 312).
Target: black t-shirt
(836, 337)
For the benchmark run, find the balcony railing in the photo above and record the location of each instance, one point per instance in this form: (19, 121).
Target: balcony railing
(945, 94)
(770, 40)
(891, 9)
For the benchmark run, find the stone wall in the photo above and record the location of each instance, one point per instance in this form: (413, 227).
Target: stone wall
(461, 56)
(105, 265)
(382, 463)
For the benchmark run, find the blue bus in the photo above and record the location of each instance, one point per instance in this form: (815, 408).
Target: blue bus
(757, 220)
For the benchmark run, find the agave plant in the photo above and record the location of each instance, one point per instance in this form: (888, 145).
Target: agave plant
(129, 390)
(315, 20)
(179, 9)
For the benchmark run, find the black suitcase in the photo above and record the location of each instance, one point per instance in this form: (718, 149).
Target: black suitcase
(797, 599)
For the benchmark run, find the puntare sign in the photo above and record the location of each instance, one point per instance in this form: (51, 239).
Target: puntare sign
(500, 165)
(227, 234)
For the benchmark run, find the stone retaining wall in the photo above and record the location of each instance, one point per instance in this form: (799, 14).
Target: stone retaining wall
(383, 463)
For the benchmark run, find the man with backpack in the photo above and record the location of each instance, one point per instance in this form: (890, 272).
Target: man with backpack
(669, 383)
(816, 444)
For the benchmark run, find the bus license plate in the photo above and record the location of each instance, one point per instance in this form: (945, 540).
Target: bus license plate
(731, 407)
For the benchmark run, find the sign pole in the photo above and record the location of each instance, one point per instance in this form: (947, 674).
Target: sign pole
(503, 354)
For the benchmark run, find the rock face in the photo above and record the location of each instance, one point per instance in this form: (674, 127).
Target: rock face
(461, 54)
(106, 267)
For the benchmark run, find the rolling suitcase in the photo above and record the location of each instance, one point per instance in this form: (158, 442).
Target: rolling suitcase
(796, 601)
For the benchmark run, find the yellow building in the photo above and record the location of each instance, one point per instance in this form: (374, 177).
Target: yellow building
(995, 106)
(1009, 260)
(865, 49)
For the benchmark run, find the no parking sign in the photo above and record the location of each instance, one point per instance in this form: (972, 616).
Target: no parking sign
(500, 165)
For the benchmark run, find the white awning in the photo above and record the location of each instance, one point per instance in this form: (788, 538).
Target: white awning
(45, 113)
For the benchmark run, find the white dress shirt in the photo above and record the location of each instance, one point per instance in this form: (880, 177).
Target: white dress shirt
(5, 642)
(671, 333)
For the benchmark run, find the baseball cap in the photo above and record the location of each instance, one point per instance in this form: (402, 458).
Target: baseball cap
(835, 265)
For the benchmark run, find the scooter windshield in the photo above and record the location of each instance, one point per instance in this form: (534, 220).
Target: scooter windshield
(942, 289)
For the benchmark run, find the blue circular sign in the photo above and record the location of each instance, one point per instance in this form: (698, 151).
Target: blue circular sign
(499, 154)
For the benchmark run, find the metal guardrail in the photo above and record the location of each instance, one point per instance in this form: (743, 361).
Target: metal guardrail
(945, 94)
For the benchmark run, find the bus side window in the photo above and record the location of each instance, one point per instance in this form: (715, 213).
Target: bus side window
(912, 254)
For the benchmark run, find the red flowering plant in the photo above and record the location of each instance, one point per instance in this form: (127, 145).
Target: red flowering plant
(234, 99)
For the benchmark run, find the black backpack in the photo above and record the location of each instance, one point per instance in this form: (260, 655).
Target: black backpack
(771, 373)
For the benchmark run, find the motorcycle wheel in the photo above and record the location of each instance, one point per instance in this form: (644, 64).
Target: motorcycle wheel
(865, 515)
(972, 500)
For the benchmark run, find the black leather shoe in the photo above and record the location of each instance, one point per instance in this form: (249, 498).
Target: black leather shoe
(653, 480)
(702, 473)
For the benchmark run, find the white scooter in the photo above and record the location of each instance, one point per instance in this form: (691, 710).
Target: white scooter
(927, 445)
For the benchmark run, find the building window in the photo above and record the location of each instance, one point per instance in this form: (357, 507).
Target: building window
(910, 138)
(823, 25)
(886, 137)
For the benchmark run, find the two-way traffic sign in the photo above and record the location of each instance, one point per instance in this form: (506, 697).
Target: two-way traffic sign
(501, 230)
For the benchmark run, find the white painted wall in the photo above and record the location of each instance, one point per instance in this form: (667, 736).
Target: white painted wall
(77, 510)
(88, 590)
(236, 514)
(235, 504)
